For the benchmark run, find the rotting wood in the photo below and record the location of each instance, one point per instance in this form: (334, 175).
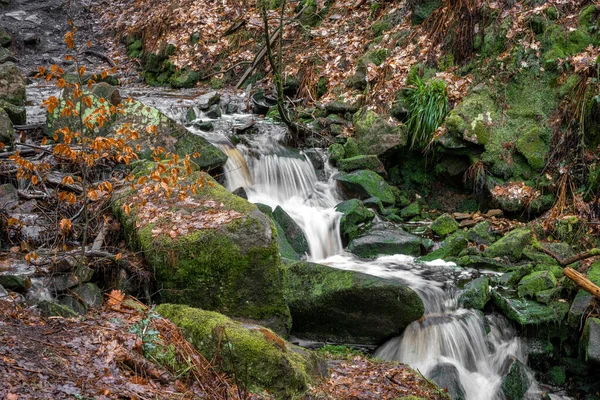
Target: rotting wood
(582, 281)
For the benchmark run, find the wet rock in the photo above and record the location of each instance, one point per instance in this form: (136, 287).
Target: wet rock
(375, 135)
(7, 132)
(329, 304)
(241, 192)
(591, 340)
(89, 294)
(205, 101)
(581, 303)
(375, 204)
(73, 304)
(354, 216)
(516, 382)
(444, 225)
(336, 152)
(284, 247)
(316, 158)
(528, 312)
(536, 282)
(540, 353)
(268, 361)
(292, 231)
(511, 245)
(214, 112)
(16, 283)
(52, 309)
(411, 210)
(205, 126)
(368, 162)
(476, 293)
(363, 184)
(17, 114)
(12, 84)
(450, 247)
(446, 376)
(3, 293)
(481, 234)
(549, 295)
(351, 148)
(383, 240)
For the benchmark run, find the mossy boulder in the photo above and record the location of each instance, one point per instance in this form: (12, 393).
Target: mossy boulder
(12, 84)
(528, 312)
(7, 132)
(285, 248)
(473, 118)
(536, 282)
(52, 309)
(446, 376)
(354, 217)
(481, 234)
(336, 152)
(385, 240)
(184, 79)
(511, 245)
(257, 356)
(333, 305)
(17, 114)
(137, 116)
(533, 148)
(363, 184)
(411, 210)
(593, 273)
(581, 303)
(375, 135)
(291, 230)
(222, 254)
(476, 293)
(591, 340)
(451, 247)
(444, 225)
(516, 382)
(370, 162)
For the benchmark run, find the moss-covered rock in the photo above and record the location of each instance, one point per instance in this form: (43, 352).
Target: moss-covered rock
(375, 135)
(7, 132)
(52, 309)
(533, 148)
(370, 162)
(329, 304)
(285, 248)
(481, 234)
(590, 343)
(336, 152)
(137, 116)
(421, 10)
(444, 225)
(226, 259)
(12, 88)
(351, 148)
(267, 361)
(354, 216)
(17, 114)
(535, 282)
(292, 231)
(450, 247)
(411, 210)
(473, 118)
(476, 293)
(528, 312)
(581, 303)
(383, 240)
(593, 273)
(184, 79)
(515, 383)
(363, 184)
(511, 245)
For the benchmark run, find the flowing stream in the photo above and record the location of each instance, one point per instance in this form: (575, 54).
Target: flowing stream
(477, 348)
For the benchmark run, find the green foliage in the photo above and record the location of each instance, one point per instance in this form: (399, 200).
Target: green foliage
(339, 351)
(427, 104)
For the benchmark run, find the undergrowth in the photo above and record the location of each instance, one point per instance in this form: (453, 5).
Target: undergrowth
(427, 104)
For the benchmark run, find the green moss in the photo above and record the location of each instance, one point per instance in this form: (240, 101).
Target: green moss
(354, 215)
(364, 184)
(375, 135)
(588, 16)
(533, 148)
(351, 148)
(184, 79)
(370, 162)
(593, 273)
(536, 282)
(557, 376)
(511, 245)
(444, 225)
(379, 27)
(336, 152)
(450, 247)
(476, 293)
(528, 312)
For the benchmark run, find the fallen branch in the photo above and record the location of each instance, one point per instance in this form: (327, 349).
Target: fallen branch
(101, 56)
(582, 281)
(140, 365)
(570, 260)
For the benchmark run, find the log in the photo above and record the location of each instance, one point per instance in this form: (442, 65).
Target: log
(582, 281)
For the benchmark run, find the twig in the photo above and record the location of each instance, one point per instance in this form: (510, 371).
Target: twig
(570, 260)
(101, 56)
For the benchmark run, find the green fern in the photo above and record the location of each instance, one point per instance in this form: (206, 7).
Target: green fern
(427, 104)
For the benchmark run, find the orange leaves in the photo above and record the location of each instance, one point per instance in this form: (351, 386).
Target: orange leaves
(51, 103)
(70, 39)
(68, 180)
(65, 225)
(115, 298)
(126, 209)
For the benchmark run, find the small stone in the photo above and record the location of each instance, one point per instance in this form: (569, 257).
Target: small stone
(205, 126)
(467, 223)
(495, 213)
(412, 210)
(206, 100)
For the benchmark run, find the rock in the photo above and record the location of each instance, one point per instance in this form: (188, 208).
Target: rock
(205, 101)
(51, 309)
(268, 361)
(593, 273)
(5, 38)
(89, 294)
(481, 234)
(529, 312)
(292, 231)
(536, 282)
(16, 283)
(73, 304)
(375, 135)
(383, 240)
(214, 112)
(549, 295)
(540, 353)
(241, 192)
(185, 78)
(7, 133)
(354, 216)
(446, 376)
(511, 245)
(591, 340)
(315, 156)
(444, 225)
(329, 304)
(168, 134)
(533, 148)
(581, 302)
(284, 247)
(557, 376)
(226, 259)
(363, 184)
(205, 126)
(515, 383)
(336, 152)
(476, 293)
(375, 204)
(450, 247)
(3, 293)
(340, 107)
(62, 282)
(17, 114)
(370, 162)
(411, 210)
(12, 84)
(351, 149)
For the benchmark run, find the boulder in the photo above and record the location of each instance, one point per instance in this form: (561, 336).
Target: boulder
(447, 377)
(354, 217)
(385, 240)
(137, 116)
(511, 245)
(375, 135)
(336, 152)
(52, 309)
(591, 340)
(411, 210)
(363, 184)
(370, 162)
(17, 114)
(450, 247)
(12, 84)
(528, 312)
(516, 382)
(220, 255)
(536, 282)
(444, 225)
(256, 355)
(89, 294)
(292, 231)
(283, 245)
(333, 305)
(581, 303)
(476, 293)
(7, 132)
(15, 283)
(481, 234)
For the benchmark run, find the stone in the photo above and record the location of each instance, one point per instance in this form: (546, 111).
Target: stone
(73, 304)
(444, 225)
(268, 361)
(447, 377)
(5, 38)
(16, 283)
(8, 196)
(7, 132)
(591, 340)
(17, 114)
(89, 294)
(481, 234)
(528, 312)
(384, 240)
(214, 112)
(231, 265)
(316, 158)
(450, 247)
(241, 192)
(351, 148)
(511, 245)
(336, 152)
(549, 295)
(368, 162)
(205, 101)
(476, 293)
(205, 126)
(283, 245)
(557, 376)
(341, 306)
(3, 293)
(12, 84)
(535, 282)
(354, 217)
(52, 309)
(411, 210)
(375, 135)
(533, 148)
(292, 231)
(375, 204)
(515, 383)
(340, 107)
(581, 303)
(593, 273)
(363, 184)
